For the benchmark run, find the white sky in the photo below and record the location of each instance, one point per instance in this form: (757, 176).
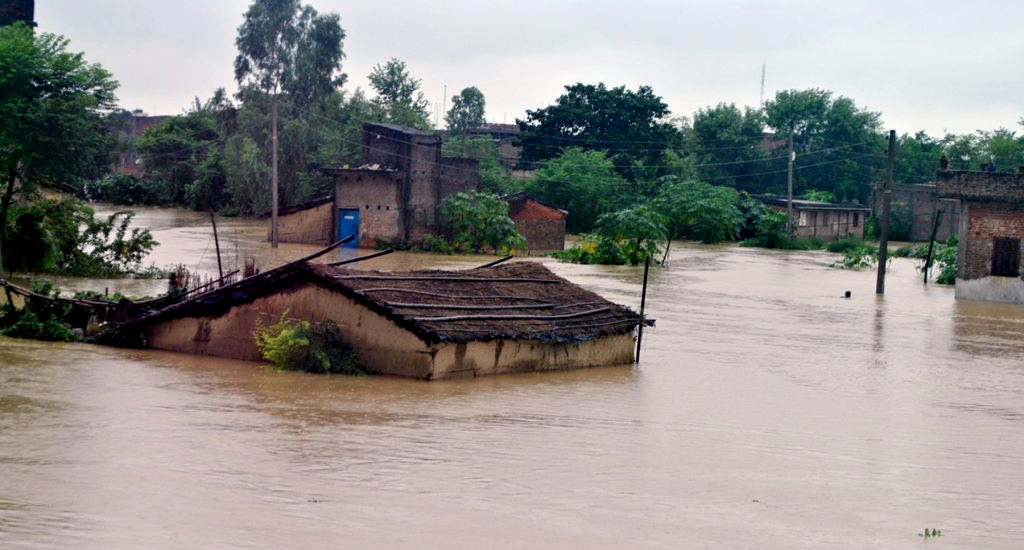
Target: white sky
(932, 65)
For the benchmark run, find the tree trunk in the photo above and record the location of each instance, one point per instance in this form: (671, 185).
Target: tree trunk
(5, 206)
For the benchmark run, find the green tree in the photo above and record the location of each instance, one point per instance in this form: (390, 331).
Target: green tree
(467, 111)
(698, 210)
(917, 158)
(839, 146)
(479, 222)
(285, 47)
(629, 126)
(180, 155)
(726, 145)
(53, 111)
(399, 95)
(582, 182)
(636, 231)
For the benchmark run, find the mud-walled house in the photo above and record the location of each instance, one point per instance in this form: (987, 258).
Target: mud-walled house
(393, 197)
(423, 324)
(540, 223)
(990, 234)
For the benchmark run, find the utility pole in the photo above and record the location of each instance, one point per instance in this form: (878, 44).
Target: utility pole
(883, 243)
(931, 243)
(273, 172)
(216, 243)
(763, 67)
(789, 189)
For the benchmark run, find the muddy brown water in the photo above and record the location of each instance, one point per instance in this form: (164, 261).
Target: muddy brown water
(766, 412)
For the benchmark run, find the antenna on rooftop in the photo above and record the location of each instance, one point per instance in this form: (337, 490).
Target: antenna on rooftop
(763, 67)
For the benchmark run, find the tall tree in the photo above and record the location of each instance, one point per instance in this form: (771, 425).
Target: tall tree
(399, 94)
(839, 146)
(629, 126)
(53, 106)
(726, 144)
(584, 183)
(284, 46)
(467, 111)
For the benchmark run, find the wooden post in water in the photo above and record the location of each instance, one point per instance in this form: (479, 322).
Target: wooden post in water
(883, 241)
(643, 302)
(216, 244)
(931, 243)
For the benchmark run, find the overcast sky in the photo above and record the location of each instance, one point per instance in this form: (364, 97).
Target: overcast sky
(936, 66)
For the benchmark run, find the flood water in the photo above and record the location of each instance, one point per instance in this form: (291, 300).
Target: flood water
(766, 412)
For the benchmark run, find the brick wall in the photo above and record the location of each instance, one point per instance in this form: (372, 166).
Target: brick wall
(541, 225)
(458, 175)
(985, 221)
(17, 10)
(981, 186)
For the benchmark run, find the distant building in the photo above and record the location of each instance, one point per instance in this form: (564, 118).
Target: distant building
(990, 233)
(824, 220)
(542, 224)
(504, 135)
(135, 125)
(12, 11)
(392, 198)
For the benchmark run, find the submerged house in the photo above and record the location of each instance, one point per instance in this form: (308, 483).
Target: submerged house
(423, 324)
(542, 224)
(990, 234)
(393, 197)
(824, 220)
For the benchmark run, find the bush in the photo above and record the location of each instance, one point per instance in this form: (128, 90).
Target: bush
(844, 244)
(123, 189)
(301, 345)
(479, 222)
(40, 319)
(592, 249)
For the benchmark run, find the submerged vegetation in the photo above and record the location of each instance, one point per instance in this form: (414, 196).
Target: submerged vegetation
(301, 345)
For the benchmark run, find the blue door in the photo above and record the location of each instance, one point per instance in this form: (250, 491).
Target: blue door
(348, 224)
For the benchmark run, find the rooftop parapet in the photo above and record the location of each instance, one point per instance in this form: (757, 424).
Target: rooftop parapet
(981, 186)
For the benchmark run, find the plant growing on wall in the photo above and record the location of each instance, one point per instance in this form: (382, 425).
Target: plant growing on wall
(300, 345)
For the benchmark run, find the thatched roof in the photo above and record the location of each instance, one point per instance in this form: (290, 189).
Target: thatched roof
(522, 300)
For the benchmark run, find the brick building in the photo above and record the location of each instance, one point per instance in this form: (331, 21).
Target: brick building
(824, 220)
(135, 126)
(913, 211)
(990, 233)
(394, 196)
(542, 224)
(12, 11)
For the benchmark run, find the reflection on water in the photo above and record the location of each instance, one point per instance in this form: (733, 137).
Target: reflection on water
(768, 412)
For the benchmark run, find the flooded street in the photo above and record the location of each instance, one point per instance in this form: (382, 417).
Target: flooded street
(766, 412)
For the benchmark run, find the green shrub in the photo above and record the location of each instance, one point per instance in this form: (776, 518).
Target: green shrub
(593, 249)
(844, 244)
(40, 319)
(305, 346)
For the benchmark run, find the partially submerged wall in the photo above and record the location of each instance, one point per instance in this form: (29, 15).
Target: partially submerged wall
(377, 196)
(982, 223)
(383, 346)
(313, 225)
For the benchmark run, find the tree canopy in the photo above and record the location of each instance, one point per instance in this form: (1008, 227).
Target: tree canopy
(467, 111)
(399, 94)
(53, 112)
(629, 126)
(285, 46)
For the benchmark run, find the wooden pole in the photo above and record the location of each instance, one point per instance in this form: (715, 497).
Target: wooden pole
(643, 303)
(883, 243)
(216, 244)
(789, 189)
(931, 243)
(273, 172)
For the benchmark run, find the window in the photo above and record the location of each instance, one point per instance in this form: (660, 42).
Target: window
(856, 219)
(1005, 257)
(825, 215)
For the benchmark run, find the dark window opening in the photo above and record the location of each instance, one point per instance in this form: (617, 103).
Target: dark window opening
(1005, 257)
(856, 219)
